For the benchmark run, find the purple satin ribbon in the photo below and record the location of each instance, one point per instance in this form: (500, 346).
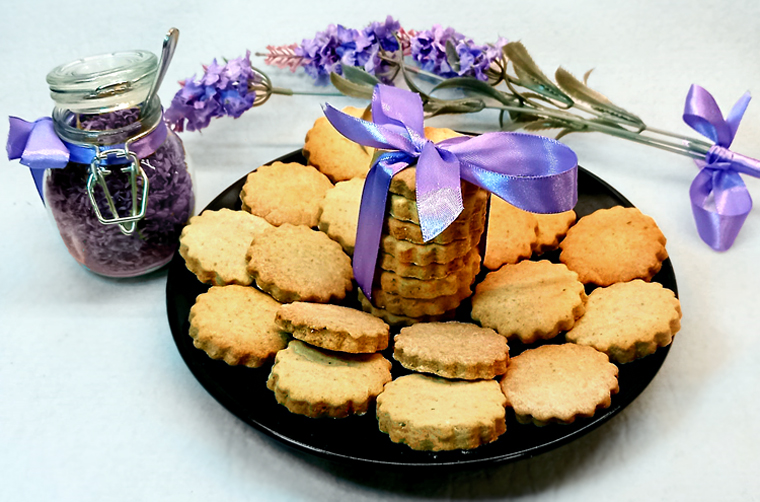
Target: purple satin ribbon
(531, 172)
(38, 147)
(720, 200)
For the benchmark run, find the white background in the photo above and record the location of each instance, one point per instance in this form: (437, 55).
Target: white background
(95, 401)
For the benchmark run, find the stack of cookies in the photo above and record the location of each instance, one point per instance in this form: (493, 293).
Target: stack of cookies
(417, 281)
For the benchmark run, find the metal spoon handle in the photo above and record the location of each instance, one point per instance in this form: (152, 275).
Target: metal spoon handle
(167, 52)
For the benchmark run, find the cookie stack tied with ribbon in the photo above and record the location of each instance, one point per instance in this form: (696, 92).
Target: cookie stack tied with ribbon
(423, 208)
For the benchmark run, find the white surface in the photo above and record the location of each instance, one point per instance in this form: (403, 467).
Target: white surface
(95, 402)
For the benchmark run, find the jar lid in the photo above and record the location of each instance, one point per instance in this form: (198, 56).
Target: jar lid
(104, 83)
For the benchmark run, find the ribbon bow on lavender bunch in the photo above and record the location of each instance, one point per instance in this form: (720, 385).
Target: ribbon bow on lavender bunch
(534, 173)
(719, 198)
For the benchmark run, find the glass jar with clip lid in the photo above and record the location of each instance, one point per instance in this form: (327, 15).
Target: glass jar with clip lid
(125, 192)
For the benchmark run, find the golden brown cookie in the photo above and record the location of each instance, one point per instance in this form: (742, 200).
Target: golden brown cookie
(296, 263)
(511, 234)
(214, 244)
(236, 324)
(425, 254)
(614, 245)
(335, 155)
(529, 300)
(430, 288)
(429, 271)
(452, 350)
(404, 209)
(339, 212)
(285, 193)
(397, 321)
(333, 327)
(559, 383)
(552, 228)
(318, 383)
(413, 307)
(628, 320)
(431, 413)
(460, 229)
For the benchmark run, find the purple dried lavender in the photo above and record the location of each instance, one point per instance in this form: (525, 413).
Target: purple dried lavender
(222, 90)
(103, 248)
(429, 51)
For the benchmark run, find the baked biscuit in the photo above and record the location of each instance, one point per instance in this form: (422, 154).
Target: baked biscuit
(511, 234)
(335, 155)
(452, 350)
(628, 320)
(431, 288)
(397, 321)
(296, 263)
(430, 271)
(214, 244)
(559, 383)
(285, 193)
(333, 327)
(529, 300)
(414, 307)
(552, 228)
(614, 245)
(404, 209)
(339, 212)
(236, 324)
(318, 383)
(425, 254)
(431, 413)
(459, 229)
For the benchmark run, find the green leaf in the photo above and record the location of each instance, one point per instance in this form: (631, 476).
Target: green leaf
(441, 106)
(475, 86)
(543, 124)
(352, 89)
(596, 100)
(530, 76)
(451, 55)
(359, 76)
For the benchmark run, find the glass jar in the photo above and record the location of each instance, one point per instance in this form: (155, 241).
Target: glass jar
(122, 200)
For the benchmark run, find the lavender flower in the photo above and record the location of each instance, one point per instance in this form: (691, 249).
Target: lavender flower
(429, 51)
(223, 90)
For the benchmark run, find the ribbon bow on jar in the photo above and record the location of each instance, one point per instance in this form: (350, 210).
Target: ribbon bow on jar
(534, 173)
(719, 198)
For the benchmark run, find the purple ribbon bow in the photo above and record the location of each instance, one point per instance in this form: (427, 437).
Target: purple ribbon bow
(534, 173)
(38, 147)
(720, 200)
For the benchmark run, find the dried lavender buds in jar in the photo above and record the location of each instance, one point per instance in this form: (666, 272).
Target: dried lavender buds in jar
(103, 248)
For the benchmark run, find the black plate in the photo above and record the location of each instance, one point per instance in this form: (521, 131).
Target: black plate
(243, 390)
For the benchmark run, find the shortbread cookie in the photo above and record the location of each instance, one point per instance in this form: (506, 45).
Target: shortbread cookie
(552, 228)
(339, 212)
(459, 229)
(559, 383)
(425, 254)
(511, 234)
(333, 327)
(614, 245)
(335, 155)
(430, 288)
(214, 244)
(398, 321)
(427, 272)
(404, 209)
(452, 350)
(318, 383)
(628, 320)
(236, 324)
(529, 300)
(413, 307)
(431, 413)
(285, 193)
(296, 263)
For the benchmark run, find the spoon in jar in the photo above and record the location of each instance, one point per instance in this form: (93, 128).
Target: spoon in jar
(167, 52)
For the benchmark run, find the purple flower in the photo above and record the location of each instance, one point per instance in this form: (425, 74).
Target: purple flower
(429, 51)
(222, 90)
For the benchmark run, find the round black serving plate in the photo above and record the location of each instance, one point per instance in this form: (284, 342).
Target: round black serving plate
(243, 390)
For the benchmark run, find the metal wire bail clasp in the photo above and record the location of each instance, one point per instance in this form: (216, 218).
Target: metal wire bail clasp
(98, 171)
